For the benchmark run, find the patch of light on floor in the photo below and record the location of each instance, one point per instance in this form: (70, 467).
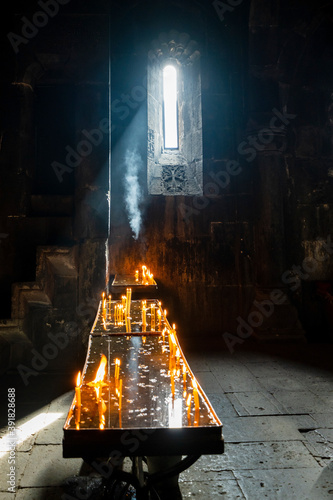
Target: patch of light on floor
(12, 439)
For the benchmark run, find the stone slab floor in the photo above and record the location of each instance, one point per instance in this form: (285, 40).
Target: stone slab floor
(275, 402)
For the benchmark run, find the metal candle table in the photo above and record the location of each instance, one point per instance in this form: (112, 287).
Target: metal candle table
(137, 396)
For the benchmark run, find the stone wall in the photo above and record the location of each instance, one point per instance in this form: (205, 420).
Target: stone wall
(263, 221)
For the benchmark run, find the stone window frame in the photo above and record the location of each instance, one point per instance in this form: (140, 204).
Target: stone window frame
(173, 172)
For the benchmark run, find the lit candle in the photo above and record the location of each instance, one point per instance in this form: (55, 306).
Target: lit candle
(78, 401)
(120, 392)
(144, 269)
(101, 411)
(144, 324)
(173, 383)
(178, 360)
(159, 315)
(170, 354)
(97, 384)
(195, 394)
(116, 372)
(172, 347)
(109, 306)
(115, 314)
(152, 314)
(188, 404)
(184, 377)
(128, 301)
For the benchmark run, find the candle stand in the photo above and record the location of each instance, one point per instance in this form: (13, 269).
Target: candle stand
(138, 398)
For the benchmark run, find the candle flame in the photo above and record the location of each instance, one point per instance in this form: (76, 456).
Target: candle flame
(194, 384)
(100, 374)
(188, 401)
(78, 380)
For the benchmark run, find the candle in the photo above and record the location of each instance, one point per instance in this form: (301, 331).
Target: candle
(144, 324)
(172, 347)
(101, 411)
(78, 390)
(115, 314)
(78, 401)
(123, 305)
(184, 377)
(109, 306)
(144, 269)
(128, 301)
(116, 372)
(188, 404)
(178, 360)
(152, 314)
(120, 392)
(173, 383)
(195, 394)
(170, 354)
(159, 315)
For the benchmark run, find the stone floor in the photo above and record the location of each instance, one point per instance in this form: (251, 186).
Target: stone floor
(276, 404)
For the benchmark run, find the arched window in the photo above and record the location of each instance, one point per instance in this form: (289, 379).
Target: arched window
(174, 146)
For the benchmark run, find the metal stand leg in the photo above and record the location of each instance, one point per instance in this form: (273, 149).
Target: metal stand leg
(138, 470)
(160, 483)
(168, 487)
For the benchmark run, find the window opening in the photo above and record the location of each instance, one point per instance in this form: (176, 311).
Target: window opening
(170, 107)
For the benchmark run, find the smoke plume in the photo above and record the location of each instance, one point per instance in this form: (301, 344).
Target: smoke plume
(133, 194)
